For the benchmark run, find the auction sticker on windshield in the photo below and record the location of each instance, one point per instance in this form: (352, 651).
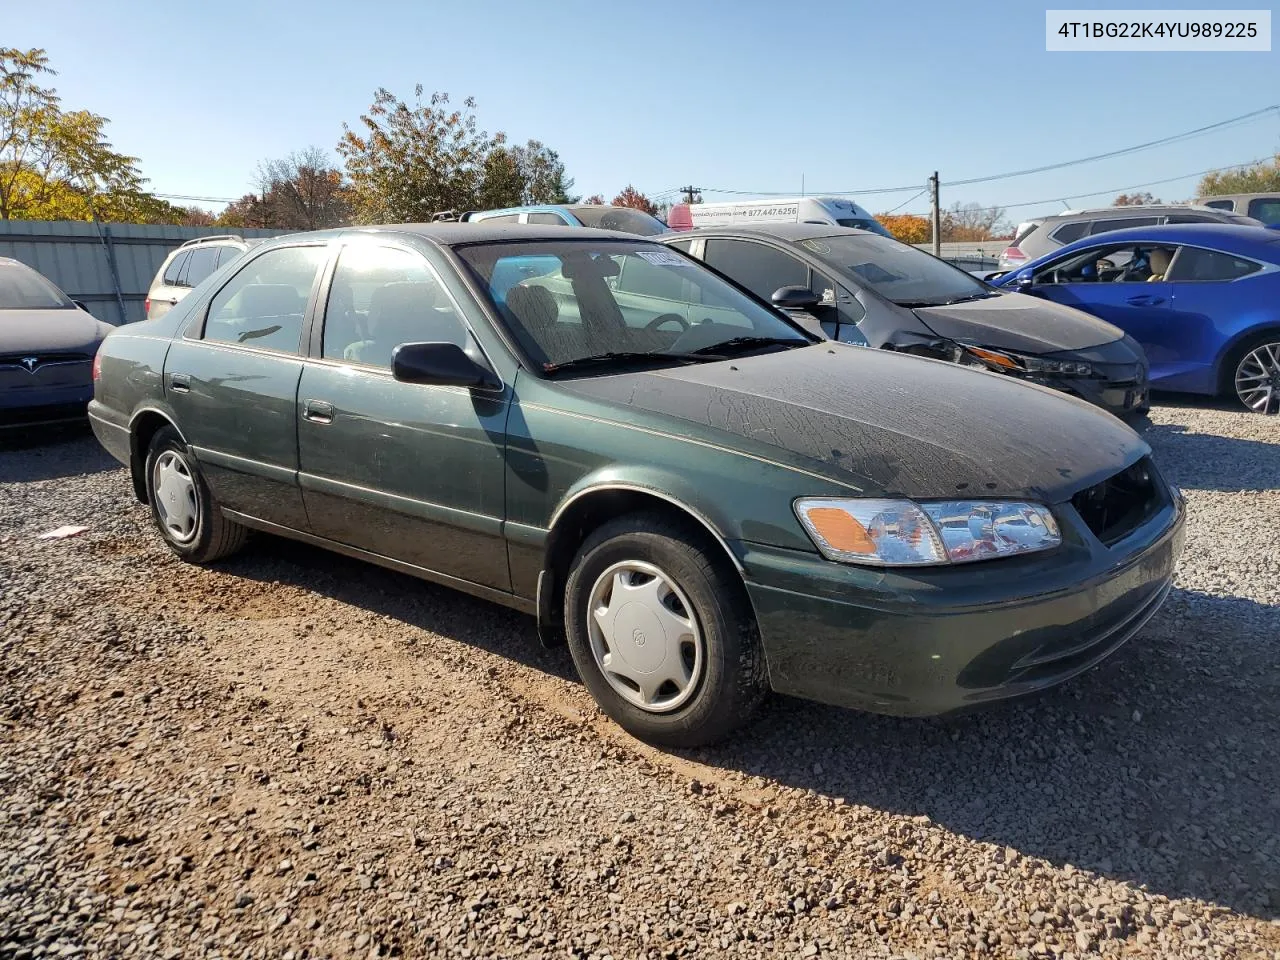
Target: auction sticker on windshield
(663, 258)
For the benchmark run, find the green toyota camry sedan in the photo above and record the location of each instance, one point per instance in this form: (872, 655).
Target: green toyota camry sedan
(703, 500)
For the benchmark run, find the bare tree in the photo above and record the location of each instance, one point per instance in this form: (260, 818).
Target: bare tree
(303, 191)
(970, 221)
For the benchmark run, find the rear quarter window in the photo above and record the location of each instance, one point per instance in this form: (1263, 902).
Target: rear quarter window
(174, 270)
(1070, 232)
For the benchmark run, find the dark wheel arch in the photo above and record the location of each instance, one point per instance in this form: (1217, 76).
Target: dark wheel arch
(142, 430)
(583, 515)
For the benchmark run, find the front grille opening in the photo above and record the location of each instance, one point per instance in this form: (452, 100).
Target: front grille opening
(1120, 504)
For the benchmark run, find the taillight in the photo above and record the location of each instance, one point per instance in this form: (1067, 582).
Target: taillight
(1012, 253)
(146, 307)
(97, 364)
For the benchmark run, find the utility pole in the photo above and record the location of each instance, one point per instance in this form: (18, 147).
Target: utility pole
(690, 193)
(937, 214)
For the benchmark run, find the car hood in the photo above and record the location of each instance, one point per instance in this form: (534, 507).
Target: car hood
(889, 424)
(24, 331)
(1015, 321)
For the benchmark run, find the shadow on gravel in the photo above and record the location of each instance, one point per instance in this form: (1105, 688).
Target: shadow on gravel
(51, 453)
(1158, 767)
(1205, 461)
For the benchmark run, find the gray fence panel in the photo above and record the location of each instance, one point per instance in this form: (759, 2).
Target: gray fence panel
(78, 258)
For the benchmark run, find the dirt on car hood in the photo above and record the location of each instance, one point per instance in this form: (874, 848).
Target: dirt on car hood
(891, 424)
(1015, 321)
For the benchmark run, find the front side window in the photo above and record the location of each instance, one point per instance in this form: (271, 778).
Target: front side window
(21, 288)
(174, 270)
(1266, 209)
(501, 218)
(1117, 263)
(263, 304)
(382, 297)
(896, 271)
(1194, 265)
(201, 262)
(672, 309)
(760, 268)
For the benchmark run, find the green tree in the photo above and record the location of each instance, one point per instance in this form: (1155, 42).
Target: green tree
(542, 174)
(502, 183)
(58, 164)
(406, 162)
(1258, 178)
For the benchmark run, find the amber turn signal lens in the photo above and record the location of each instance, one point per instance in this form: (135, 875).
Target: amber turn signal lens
(841, 531)
(999, 359)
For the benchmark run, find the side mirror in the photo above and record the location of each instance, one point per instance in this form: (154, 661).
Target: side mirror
(795, 298)
(440, 364)
(1022, 279)
(994, 276)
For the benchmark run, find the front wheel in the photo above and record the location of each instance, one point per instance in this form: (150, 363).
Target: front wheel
(1257, 375)
(182, 507)
(661, 631)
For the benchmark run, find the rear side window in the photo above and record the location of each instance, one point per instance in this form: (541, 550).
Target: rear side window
(201, 262)
(1191, 218)
(263, 304)
(504, 218)
(1106, 226)
(1071, 232)
(759, 268)
(1194, 265)
(1265, 209)
(551, 218)
(174, 270)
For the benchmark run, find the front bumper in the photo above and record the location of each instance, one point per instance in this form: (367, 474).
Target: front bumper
(41, 406)
(927, 641)
(1120, 397)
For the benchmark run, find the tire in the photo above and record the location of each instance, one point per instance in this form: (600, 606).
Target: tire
(182, 508)
(670, 565)
(1257, 357)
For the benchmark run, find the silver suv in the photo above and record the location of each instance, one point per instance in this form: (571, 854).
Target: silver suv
(185, 267)
(1034, 238)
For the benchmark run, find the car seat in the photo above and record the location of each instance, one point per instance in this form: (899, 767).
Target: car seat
(1160, 259)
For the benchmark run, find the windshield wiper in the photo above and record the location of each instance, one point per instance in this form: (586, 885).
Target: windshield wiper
(735, 344)
(620, 358)
(946, 303)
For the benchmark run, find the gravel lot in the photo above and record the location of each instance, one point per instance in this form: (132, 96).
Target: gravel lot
(295, 755)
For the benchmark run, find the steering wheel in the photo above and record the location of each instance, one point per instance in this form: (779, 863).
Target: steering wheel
(658, 321)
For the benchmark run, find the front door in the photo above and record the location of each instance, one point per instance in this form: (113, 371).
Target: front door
(402, 470)
(233, 384)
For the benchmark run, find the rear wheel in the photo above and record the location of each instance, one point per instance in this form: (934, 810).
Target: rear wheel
(1256, 374)
(182, 507)
(662, 634)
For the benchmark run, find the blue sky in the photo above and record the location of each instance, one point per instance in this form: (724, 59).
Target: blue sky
(748, 95)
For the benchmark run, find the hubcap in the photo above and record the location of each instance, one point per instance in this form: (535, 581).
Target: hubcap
(1258, 379)
(645, 637)
(175, 493)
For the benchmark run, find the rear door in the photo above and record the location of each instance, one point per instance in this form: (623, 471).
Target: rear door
(410, 471)
(232, 381)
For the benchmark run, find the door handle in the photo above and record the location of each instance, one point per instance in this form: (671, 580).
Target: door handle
(1145, 300)
(317, 411)
(179, 383)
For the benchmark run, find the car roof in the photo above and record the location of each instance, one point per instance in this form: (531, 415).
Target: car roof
(1231, 237)
(1133, 210)
(480, 231)
(777, 231)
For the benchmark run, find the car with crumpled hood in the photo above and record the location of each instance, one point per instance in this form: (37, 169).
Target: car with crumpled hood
(859, 287)
(703, 500)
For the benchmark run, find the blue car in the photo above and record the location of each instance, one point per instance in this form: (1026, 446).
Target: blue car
(1202, 299)
(598, 215)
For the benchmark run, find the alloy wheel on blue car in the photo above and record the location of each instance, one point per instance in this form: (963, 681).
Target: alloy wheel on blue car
(1257, 379)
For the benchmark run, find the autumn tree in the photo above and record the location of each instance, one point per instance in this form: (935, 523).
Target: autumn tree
(631, 197)
(1134, 199)
(969, 221)
(302, 191)
(906, 227)
(595, 200)
(57, 164)
(1256, 178)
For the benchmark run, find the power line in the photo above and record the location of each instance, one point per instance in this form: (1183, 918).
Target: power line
(181, 196)
(905, 202)
(1163, 141)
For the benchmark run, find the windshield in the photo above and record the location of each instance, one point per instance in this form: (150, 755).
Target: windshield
(619, 218)
(898, 272)
(568, 300)
(21, 288)
(864, 223)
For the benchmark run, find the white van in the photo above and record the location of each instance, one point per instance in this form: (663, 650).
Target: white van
(833, 210)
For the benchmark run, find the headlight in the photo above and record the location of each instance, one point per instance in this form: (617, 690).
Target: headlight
(895, 533)
(1017, 363)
